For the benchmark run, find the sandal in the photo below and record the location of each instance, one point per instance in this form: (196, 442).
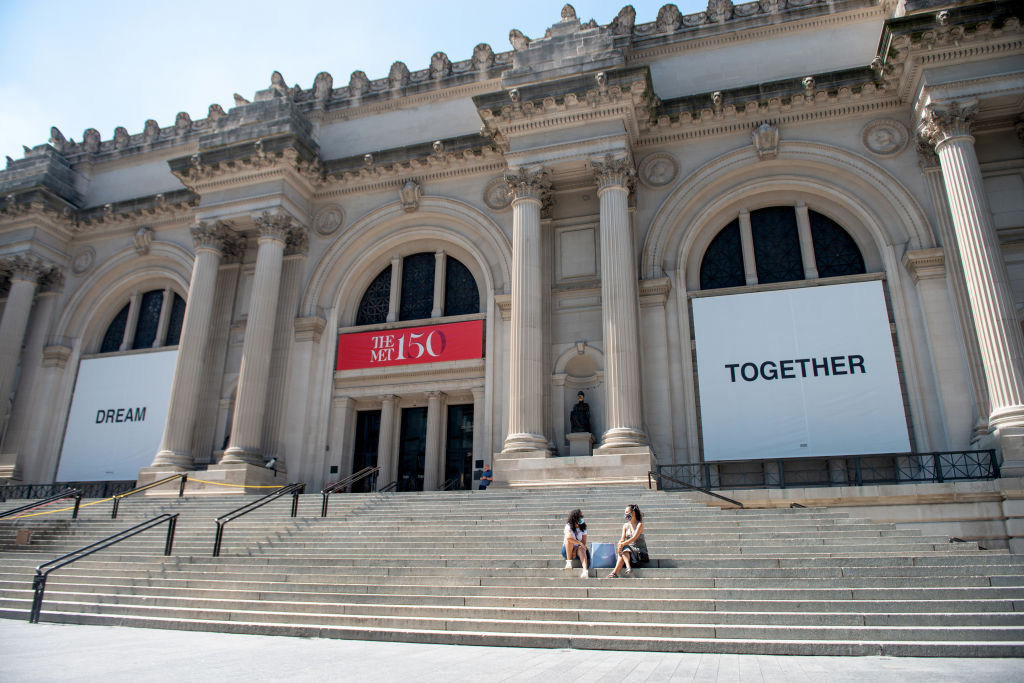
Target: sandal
(629, 571)
(613, 575)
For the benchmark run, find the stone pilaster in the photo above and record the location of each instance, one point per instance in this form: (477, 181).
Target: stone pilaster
(342, 411)
(176, 443)
(251, 404)
(439, 276)
(747, 247)
(387, 448)
(526, 368)
(24, 273)
(619, 309)
(395, 296)
(478, 423)
(433, 465)
(947, 126)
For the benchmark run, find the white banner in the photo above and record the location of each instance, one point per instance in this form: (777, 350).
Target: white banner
(798, 373)
(117, 416)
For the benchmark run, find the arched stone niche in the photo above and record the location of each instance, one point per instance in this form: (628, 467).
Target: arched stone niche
(579, 368)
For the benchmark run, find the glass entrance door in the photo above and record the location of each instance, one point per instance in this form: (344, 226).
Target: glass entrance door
(458, 454)
(412, 450)
(365, 455)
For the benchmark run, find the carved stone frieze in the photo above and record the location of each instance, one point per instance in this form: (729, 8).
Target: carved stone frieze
(328, 219)
(885, 137)
(614, 172)
(944, 121)
(766, 140)
(658, 170)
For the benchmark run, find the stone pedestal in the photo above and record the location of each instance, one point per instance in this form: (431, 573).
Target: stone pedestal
(623, 467)
(580, 444)
(243, 477)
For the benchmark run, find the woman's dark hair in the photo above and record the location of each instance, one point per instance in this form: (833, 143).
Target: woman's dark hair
(637, 515)
(574, 520)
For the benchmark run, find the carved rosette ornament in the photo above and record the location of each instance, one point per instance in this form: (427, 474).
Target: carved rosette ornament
(946, 121)
(328, 220)
(885, 137)
(658, 169)
(614, 172)
(497, 195)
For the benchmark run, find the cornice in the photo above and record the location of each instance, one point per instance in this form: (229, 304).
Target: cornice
(372, 108)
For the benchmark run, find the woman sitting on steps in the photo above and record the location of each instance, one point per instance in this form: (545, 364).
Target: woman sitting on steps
(632, 547)
(575, 543)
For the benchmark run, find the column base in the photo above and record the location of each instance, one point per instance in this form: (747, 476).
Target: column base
(240, 476)
(1009, 442)
(11, 472)
(237, 455)
(178, 459)
(525, 445)
(623, 437)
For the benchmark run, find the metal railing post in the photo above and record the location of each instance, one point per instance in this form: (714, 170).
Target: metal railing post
(78, 504)
(217, 539)
(323, 508)
(38, 586)
(181, 488)
(937, 460)
(117, 502)
(171, 526)
(295, 499)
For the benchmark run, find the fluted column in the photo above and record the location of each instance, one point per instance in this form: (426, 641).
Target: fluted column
(387, 453)
(176, 443)
(619, 308)
(246, 443)
(526, 369)
(24, 272)
(947, 126)
(433, 465)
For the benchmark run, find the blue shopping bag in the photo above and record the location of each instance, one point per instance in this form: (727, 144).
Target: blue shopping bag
(602, 555)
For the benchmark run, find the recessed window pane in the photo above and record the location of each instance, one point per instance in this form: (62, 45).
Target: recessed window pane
(722, 265)
(373, 308)
(776, 244)
(115, 332)
(460, 293)
(417, 286)
(835, 252)
(176, 321)
(149, 319)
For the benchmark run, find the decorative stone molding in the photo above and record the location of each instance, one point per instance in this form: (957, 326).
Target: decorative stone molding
(328, 219)
(614, 172)
(719, 11)
(143, 239)
(83, 260)
(885, 137)
(944, 121)
(218, 237)
(658, 170)
(927, 159)
(275, 226)
(409, 195)
(309, 329)
(55, 356)
(298, 242)
(27, 267)
(925, 264)
(766, 140)
(498, 195)
(624, 22)
(529, 184)
(503, 302)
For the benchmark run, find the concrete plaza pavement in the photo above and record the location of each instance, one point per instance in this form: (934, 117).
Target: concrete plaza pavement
(59, 652)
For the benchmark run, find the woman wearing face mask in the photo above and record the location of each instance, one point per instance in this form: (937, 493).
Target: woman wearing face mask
(632, 547)
(575, 543)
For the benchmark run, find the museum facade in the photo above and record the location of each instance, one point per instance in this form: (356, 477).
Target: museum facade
(778, 229)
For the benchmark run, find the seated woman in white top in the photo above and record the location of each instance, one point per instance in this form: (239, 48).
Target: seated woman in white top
(575, 543)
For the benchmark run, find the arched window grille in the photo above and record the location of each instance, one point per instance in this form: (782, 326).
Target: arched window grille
(158, 316)
(424, 292)
(776, 238)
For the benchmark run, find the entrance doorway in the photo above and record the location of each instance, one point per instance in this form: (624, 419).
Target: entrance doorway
(365, 455)
(458, 455)
(412, 450)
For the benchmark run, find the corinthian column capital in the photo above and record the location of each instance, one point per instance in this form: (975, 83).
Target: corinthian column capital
(944, 121)
(529, 184)
(614, 172)
(274, 225)
(217, 236)
(29, 268)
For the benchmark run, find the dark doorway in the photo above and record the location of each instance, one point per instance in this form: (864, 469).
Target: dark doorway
(412, 451)
(365, 455)
(458, 453)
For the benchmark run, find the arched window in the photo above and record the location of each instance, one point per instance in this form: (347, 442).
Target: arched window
(458, 294)
(158, 314)
(776, 234)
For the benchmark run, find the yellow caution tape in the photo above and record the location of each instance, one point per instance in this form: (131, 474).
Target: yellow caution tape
(241, 486)
(50, 512)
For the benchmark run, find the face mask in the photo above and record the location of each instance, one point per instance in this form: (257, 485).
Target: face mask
(582, 521)
(626, 515)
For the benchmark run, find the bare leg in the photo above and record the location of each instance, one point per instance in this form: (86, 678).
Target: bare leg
(626, 555)
(569, 550)
(618, 566)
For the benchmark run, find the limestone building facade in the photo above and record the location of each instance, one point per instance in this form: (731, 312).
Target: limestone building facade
(421, 271)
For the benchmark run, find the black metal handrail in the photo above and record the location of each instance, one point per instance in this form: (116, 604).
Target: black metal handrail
(390, 487)
(294, 489)
(344, 484)
(70, 493)
(139, 489)
(451, 484)
(689, 486)
(44, 570)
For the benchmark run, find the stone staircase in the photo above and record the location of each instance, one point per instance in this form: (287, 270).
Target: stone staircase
(482, 568)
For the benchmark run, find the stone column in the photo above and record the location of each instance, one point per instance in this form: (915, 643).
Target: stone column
(24, 272)
(947, 126)
(478, 424)
(803, 228)
(176, 444)
(526, 368)
(623, 418)
(747, 246)
(341, 449)
(395, 293)
(251, 401)
(433, 465)
(165, 318)
(387, 452)
(134, 303)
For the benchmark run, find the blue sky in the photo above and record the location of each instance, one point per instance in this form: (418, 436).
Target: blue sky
(103, 64)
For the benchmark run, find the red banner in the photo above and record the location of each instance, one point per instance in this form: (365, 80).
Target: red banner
(411, 345)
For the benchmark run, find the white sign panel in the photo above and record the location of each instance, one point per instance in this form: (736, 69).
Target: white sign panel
(117, 416)
(798, 373)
